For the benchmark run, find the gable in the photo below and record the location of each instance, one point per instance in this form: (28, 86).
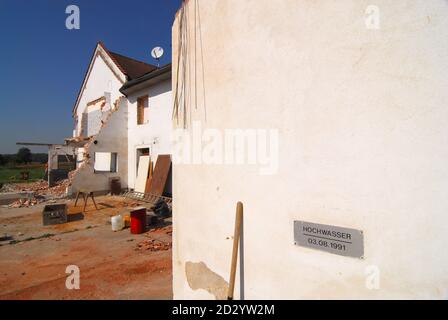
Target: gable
(101, 68)
(123, 68)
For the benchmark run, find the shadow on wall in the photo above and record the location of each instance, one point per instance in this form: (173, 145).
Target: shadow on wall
(184, 72)
(157, 89)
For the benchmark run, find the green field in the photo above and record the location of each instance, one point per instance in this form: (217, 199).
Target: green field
(12, 174)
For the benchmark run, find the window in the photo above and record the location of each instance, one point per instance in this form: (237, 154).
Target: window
(105, 162)
(142, 110)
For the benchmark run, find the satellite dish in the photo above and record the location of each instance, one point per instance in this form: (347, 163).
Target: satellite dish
(157, 53)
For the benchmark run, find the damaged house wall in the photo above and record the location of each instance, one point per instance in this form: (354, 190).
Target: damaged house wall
(99, 89)
(361, 120)
(95, 115)
(102, 82)
(98, 120)
(113, 138)
(59, 170)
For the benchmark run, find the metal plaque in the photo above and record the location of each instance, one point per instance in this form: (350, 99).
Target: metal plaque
(342, 241)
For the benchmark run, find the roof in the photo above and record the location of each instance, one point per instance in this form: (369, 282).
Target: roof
(130, 67)
(159, 74)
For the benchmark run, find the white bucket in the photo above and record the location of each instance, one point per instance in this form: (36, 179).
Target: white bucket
(117, 223)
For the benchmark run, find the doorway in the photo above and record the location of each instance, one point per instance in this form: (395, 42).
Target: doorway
(141, 183)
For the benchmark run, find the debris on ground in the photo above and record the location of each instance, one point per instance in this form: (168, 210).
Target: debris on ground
(20, 203)
(41, 187)
(41, 192)
(166, 230)
(153, 245)
(111, 256)
(7, 187)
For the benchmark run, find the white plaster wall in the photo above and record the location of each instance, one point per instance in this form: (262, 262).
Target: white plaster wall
(155, 134)
(100, 81)
(362, 119)
(113, 137)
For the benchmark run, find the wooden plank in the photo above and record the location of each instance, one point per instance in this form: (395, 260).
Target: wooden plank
(149, 179)
(142, 174)
(160, 176)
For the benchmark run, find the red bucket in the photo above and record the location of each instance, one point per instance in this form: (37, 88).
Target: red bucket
(138, 220)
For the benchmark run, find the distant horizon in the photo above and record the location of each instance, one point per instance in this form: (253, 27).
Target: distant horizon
(40, 89)
(33, 149)
(14, 153)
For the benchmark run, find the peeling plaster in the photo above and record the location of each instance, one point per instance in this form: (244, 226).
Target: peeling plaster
(199, 276)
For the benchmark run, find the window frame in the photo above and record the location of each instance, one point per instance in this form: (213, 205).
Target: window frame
(142, 103)
(113, 168)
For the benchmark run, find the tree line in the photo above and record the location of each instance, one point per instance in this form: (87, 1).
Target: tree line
(23, 156)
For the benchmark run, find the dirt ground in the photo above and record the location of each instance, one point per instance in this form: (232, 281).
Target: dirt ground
(113, 265)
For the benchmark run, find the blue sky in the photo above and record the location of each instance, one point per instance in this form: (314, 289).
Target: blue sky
(43, 63)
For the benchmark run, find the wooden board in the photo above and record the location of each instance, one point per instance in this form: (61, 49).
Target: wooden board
(142, 174)
(160, 176)
(149, 179)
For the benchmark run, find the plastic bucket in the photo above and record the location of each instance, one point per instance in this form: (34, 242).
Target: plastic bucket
(117, 223)
(138, 220)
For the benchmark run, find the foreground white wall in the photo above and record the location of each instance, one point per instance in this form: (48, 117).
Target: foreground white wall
(362, 121)
(155, 134)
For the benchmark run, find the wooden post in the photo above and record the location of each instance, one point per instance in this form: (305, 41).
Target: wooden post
(77, 197)
(93, 199)
(236, 238)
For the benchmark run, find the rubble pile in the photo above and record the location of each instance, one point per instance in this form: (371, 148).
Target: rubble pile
(31, 186)
(153, 245)
(25, 203)
(7, 187)
(166, 230)
(41, 187)
(41, 192)
(60, 189)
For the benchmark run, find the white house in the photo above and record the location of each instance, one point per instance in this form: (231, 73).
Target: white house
(149, 118)
(353, 99)
(106, 132)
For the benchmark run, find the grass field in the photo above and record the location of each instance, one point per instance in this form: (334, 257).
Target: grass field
(12, 174)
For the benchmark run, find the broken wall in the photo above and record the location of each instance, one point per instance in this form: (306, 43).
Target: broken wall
(95, 114)
(361, 118)
(101, 82)
(57, 170)
(54, 151)
(112, 137)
